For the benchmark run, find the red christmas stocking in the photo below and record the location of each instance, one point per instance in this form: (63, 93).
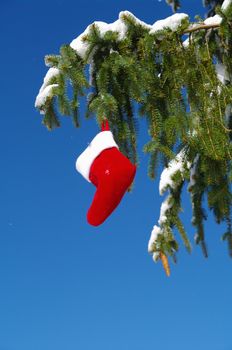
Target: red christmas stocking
(109, 170)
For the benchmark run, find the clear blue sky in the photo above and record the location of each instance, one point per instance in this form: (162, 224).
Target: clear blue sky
(65, 285)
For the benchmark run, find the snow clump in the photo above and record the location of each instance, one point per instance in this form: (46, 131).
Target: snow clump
(46, 89)
(171, 22)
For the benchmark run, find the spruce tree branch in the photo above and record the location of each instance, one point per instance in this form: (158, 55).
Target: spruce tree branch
(193, 28)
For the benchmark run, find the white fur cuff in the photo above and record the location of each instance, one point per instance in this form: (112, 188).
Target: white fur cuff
(101, 141)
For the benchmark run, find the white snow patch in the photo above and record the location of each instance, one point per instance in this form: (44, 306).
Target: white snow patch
(186, 42)
(226, 4)
(91, 71)
(43, 95)
(46, 89)
(137, 21)
(113, 51)
(154, 234)
(193, 172)
(213, 20)
(155, 256)
(152, 246)
(174, 165)
(81, 46)
(52, 72)
(165, 206)
(171, 22)
(222, 73)
(117, 26)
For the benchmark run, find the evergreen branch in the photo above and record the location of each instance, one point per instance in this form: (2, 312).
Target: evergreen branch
(183, 91)
(196, 27)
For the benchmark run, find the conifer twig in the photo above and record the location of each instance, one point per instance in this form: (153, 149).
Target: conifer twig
(165, 263)
(194, 28)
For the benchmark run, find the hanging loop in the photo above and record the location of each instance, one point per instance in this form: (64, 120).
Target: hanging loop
(105, 125)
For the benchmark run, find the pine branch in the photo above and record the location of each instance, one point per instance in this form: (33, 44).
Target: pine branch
(196, 27)
(184, 92)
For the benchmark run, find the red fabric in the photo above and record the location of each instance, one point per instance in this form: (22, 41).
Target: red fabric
(112, 173)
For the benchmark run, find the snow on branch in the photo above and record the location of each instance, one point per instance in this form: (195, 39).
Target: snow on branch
(222, 73)
(46, 89)
(173, 23)
(119, 26)
(226, 4)
(81, 45)
(178, 164)
(175, 165)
